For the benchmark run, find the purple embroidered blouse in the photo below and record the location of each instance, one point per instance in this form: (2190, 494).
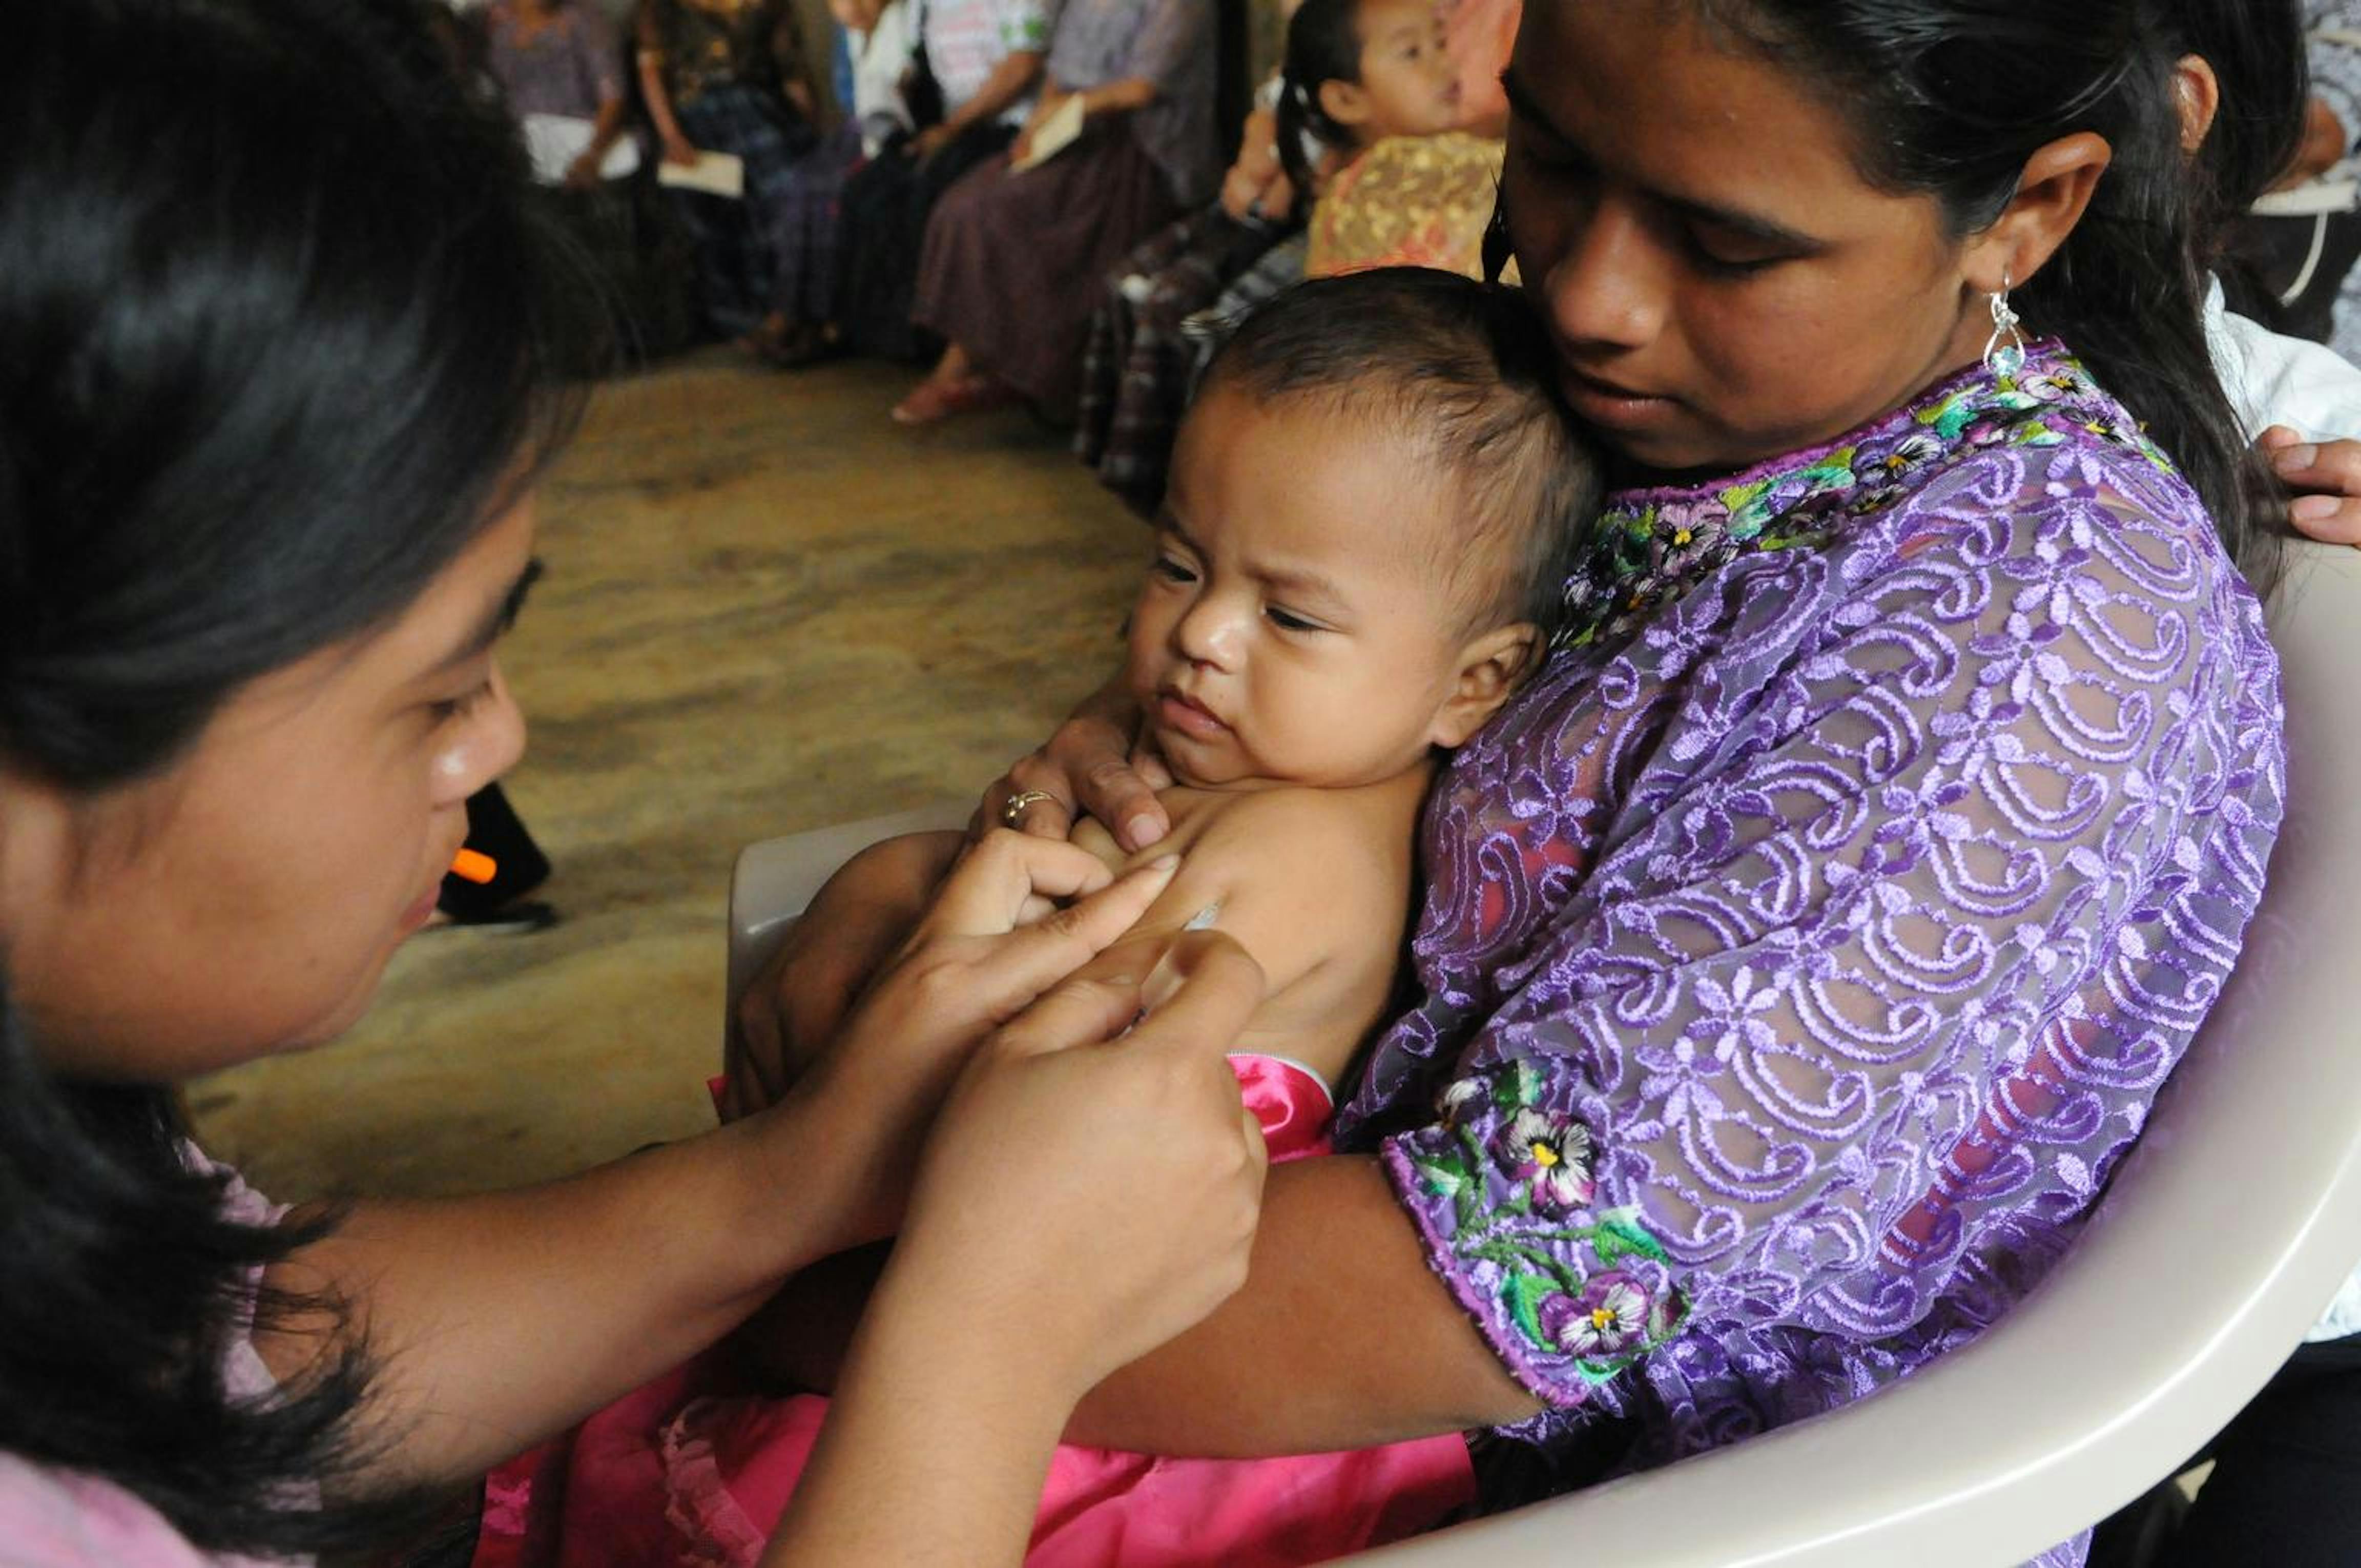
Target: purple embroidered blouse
(1802, 949)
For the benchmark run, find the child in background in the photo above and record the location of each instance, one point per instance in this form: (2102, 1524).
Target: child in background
(883, 40)
(1376, 503)
(1404, 199)
(1382, 65)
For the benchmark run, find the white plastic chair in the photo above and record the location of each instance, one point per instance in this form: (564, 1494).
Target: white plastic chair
(2223, 1235)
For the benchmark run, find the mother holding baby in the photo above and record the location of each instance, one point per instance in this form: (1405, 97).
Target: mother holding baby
(1801, 949)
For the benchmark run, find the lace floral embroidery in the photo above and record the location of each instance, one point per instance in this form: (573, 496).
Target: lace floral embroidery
(1587, 1292)
(1657, 542)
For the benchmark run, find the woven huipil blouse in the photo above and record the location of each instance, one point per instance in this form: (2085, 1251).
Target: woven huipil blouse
(1802, 949)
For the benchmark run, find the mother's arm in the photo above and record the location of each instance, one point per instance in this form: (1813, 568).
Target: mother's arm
(1343, 1337)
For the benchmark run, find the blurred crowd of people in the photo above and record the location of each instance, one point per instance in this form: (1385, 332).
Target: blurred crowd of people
(1029, 196)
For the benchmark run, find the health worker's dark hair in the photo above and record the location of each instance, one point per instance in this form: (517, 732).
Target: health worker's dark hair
(1949, 98)
(1462, 373)
(276, 336)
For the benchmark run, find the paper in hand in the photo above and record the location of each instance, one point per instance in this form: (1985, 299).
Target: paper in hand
(1052, 136)
(715, 173)
(555, 141)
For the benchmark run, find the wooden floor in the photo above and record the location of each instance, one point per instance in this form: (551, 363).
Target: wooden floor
(766, 609)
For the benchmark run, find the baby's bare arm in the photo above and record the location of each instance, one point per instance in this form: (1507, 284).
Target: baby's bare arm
(1301, 878)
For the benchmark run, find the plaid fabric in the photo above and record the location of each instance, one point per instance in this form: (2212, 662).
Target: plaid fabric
(806, 213)
(1280, 269)
(752, 255)
(1139, 363)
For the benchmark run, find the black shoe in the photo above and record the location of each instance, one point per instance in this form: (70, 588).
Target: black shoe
(519, 920)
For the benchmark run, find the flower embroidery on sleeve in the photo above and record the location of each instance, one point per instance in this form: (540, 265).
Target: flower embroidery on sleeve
(1505, 1184)
(1554, 1157)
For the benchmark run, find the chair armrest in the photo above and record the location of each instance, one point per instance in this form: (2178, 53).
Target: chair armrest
(775, 880)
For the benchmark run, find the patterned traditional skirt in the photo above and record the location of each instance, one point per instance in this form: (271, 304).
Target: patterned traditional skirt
(746, 249)
(880, 227)
(1013, 261)
(1138, 363)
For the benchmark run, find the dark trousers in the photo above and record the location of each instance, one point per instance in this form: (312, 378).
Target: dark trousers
(880, 227)
(2286, 1487)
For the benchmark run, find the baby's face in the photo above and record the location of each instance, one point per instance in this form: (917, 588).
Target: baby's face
(1298, 624)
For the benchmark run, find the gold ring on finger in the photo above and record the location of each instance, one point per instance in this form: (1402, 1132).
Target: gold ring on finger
(1014, 812)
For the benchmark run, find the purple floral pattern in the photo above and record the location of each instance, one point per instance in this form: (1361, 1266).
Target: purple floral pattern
(1591, 1288)
(1657, 543)
(1802, 949)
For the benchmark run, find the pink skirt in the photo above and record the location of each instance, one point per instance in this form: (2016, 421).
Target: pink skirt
(690, 1473)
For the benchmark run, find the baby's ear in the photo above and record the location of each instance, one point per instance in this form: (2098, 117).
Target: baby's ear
(1490, 669)
(1345, 102)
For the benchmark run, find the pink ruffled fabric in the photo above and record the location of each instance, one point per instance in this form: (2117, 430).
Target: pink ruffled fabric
(690, 1473)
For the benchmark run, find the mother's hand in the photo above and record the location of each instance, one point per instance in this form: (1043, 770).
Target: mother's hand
(1093, 767)
(999, 933)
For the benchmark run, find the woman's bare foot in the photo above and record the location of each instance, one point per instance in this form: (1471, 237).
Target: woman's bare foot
(935, 398)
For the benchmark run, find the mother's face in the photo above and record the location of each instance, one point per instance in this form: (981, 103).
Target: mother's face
(248, 900)
(1723, 285)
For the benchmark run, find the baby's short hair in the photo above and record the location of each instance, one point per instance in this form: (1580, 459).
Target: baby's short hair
(1466, 370)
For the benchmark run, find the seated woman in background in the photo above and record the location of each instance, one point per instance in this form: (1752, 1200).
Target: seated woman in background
(982, 62)
(729, 76)
(1013, 254)
(559, 58)
(881, 42)
(800, 326)
(1357, 71)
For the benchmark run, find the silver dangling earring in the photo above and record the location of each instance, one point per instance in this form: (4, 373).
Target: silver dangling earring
(2004, 350)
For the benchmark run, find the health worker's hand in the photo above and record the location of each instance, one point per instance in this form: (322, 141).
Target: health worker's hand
(790, 1012)
(1017, 916)
(1088, 1194)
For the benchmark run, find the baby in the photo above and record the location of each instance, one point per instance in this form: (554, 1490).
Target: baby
(1376, 500)
(1374, 504)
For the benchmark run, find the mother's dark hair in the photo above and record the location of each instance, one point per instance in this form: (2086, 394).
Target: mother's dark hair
(1949, 98)
(275, 343)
